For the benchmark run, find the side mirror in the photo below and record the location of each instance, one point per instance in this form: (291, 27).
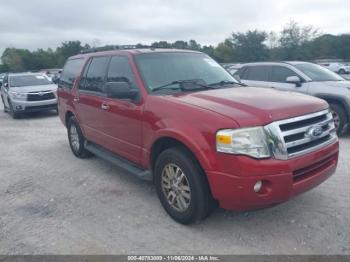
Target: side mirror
(294, 80)
(121, 90)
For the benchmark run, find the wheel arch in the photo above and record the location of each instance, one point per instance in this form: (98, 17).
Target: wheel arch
(336, 100)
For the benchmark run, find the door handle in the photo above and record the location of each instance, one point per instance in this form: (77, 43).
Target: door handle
(104, 106)
(75, 99)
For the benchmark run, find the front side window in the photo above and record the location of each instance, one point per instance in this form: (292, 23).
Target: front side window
(318, 73)
(70, 72)
(120, 71)
(159, 69)
(28, 80)
(280, 73)
(96, 73)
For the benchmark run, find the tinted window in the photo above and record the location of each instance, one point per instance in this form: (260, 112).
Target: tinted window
(96, 73)
(120, 70)
(70, 72)
(257, 73)
(280, 74)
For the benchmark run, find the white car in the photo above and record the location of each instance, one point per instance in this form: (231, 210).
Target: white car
(337, 68)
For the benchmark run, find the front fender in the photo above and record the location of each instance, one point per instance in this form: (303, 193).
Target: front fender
(198, 139)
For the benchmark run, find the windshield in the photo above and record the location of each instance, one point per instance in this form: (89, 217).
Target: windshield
(318, 73)
(158, 69)
(28, 80)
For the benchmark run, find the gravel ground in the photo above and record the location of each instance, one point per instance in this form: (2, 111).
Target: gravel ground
(54, 203)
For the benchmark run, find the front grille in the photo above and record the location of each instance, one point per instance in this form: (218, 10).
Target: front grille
(308, 132)
(40, 96)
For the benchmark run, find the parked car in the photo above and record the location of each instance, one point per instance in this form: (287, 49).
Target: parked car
(306, 78)
(179, 119)
(28, 92)
(337, 68)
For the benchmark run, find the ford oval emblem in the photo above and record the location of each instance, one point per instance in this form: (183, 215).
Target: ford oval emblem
(314, 132)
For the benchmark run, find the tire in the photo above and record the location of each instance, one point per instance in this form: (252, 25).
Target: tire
(340, 118)
(197, 202)
(12, 112)
(341, 72)
(3, 102)
(76, 139)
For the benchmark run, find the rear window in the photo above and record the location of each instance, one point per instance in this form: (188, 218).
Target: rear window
(70, 72)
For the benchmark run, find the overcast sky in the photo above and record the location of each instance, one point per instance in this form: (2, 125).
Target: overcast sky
(36, 24)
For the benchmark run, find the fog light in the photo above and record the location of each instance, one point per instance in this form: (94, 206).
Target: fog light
(18, 107)
(257, 186)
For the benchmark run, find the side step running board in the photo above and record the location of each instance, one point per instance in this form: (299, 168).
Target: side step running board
(118, 161)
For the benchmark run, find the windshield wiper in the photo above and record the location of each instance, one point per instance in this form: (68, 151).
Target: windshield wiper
(225, 82)
(182, 85)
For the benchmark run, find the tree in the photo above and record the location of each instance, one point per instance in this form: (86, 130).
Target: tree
(294, 41)
(250, 46)
(223, 53)
(68, 49)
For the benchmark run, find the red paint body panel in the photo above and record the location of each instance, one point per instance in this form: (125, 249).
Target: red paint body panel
(130, 130)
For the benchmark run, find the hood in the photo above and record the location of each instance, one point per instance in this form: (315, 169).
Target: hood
(27, 89)
(338, 83)
(251, 106)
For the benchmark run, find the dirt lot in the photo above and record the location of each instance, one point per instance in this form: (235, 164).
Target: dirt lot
(54, 203)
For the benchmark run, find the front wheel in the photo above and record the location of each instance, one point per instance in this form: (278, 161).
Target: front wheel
(12, 111)
(76, 139)
(341, 72)
(340, 118)
(182, 187)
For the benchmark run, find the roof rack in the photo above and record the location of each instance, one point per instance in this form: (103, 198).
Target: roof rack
(112, 47)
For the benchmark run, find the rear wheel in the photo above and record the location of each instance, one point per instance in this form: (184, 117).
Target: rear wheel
(182, 187)
(76, 139)
(340, 118)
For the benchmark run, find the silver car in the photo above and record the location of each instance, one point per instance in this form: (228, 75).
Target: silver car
(28, 92)
(306, 78)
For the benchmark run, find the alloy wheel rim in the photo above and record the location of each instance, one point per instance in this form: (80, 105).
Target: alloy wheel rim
(336, 119)
(74, 138)
(175, 187)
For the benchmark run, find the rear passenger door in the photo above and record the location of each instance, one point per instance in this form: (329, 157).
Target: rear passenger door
(256, 75)
(90, 98)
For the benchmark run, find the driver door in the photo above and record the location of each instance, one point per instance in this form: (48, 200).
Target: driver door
(278, 77)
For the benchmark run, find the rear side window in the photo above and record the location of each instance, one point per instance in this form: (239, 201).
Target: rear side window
(279, 74)
(257, 73)
(96, 73)
(70, 72)
(120, 70)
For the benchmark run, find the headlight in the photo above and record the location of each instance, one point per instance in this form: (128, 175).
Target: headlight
(18, 95)
(245, 141)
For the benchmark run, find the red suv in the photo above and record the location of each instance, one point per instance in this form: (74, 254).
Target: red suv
(179, 119)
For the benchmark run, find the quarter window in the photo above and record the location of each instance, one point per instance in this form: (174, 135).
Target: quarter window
(70, 72)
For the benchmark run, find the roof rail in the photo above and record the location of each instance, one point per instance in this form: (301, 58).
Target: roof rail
(112, 47)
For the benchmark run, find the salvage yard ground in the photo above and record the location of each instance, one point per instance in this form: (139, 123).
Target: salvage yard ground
(53, 203)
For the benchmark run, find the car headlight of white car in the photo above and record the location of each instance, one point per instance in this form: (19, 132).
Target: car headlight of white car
(245, 141)
(18, 95)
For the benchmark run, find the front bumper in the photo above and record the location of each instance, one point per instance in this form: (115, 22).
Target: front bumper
(282, 179)
(34, 106)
